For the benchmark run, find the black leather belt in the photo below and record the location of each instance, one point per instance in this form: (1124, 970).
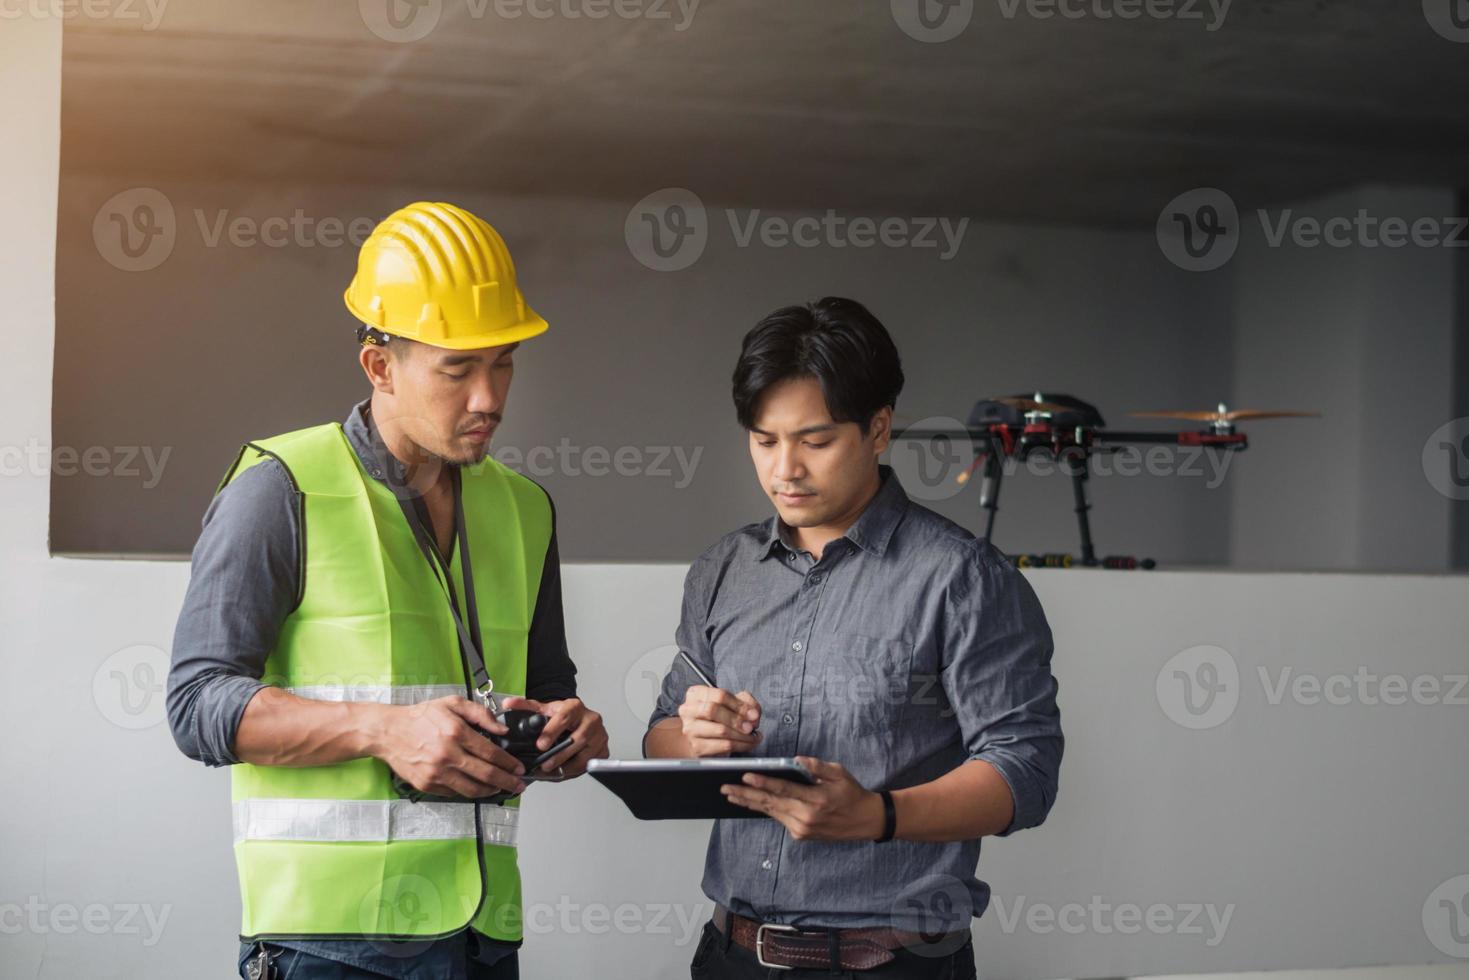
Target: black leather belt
(788, 947)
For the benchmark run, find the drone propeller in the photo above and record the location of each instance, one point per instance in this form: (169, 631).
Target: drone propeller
(1224, 416)
(1031, 404)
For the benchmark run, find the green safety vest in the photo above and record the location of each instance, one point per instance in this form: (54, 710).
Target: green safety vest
(332, 851)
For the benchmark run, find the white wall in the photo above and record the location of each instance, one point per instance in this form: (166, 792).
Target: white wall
(1320, 830)
(1328, 827)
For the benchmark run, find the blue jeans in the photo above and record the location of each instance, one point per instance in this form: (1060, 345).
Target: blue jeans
(451, 959)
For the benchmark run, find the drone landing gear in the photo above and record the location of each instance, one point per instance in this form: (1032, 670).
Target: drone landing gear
(989, 492)
(1074, 465)
(1079, 473)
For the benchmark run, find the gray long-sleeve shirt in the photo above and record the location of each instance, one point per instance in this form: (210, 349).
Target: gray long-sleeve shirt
(909, 649)
(244, 581)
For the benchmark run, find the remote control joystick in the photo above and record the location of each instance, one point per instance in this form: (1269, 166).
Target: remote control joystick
(520, 741)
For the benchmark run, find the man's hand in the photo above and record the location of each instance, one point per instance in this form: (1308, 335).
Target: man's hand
(434, 746)
(588, 734)
(836, 808)
(716, 722)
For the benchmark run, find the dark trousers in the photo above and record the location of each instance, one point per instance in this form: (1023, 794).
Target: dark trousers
(717, 958)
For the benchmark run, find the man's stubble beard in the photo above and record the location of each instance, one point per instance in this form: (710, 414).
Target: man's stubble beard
(472, 458)
(427, 472)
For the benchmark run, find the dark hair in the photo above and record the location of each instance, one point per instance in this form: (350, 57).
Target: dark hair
(834, 340)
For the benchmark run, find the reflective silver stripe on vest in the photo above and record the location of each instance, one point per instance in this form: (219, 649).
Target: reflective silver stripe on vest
(378, 693)
(370, 820)
(385, 693)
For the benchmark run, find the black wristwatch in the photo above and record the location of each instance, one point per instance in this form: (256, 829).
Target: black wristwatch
(889, 817)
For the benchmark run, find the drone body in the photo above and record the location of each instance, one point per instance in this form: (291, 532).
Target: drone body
(1069, 431)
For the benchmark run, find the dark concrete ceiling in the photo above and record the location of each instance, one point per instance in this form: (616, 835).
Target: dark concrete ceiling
(781, 103)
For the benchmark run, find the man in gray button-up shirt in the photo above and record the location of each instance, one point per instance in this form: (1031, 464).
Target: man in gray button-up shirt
(882, 644)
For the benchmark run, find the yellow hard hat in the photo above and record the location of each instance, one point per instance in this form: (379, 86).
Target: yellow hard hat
(437, 274)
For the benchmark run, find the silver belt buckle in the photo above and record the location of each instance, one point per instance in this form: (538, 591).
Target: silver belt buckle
(760, 944)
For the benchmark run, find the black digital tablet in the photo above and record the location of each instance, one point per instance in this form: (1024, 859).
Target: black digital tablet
(687, 789)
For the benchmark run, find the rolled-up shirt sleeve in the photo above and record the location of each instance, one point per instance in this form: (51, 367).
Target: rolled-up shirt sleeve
(690, 638)
(997, 675)
(243, 584)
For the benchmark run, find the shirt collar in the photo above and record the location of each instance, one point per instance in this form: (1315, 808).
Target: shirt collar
(776, 535)
(365, 439)
(873, 528)
(771, 536)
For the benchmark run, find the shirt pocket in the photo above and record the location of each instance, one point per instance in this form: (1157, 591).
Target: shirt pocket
(865, 683)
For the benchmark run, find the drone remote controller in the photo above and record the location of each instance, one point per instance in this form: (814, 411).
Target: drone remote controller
(520, 741)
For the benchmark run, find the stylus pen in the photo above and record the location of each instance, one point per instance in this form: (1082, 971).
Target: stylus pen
(708, 681)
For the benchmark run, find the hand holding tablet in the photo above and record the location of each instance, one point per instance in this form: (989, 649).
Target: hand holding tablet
(688, 789)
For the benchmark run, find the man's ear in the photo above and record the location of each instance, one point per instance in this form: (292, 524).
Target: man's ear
(378, 365)
(881, 428)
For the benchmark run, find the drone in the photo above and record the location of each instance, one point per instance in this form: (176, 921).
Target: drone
(1070, 431)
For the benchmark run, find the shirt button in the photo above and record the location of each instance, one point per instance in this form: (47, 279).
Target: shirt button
(789, 719)
(796, 646)
(791, 556)
(815, 580)
(766, 864)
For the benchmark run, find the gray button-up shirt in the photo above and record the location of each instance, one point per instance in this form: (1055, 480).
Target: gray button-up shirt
(909, 649)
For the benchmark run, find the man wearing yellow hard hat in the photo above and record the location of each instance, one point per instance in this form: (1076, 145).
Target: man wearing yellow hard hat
(373, 638)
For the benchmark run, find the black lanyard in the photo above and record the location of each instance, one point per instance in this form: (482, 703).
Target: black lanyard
(416, 513)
